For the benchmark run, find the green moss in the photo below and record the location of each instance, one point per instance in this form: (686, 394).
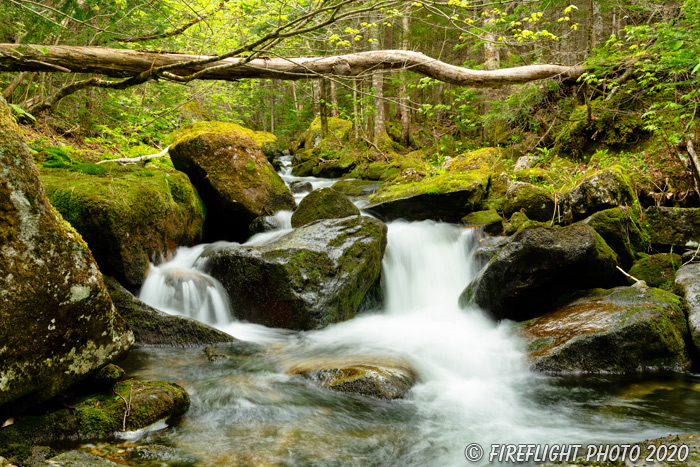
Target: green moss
(431, 185)
(657, 270)
(489, 220)
(323, 203)
(193, 130)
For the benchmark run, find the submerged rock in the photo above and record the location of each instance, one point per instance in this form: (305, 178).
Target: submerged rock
(622, 330)
(688, 283)
(301, 187)
(235, 180)
(620, 231)
(603, 190)
(311, 277)
(157, 328)
(99, 416)
(80, 459)
(679, 227)
(323, 203)
(657, 270)
(381, 378)
(536, 267)
(57, 322)
(129, 216)
(537, 203)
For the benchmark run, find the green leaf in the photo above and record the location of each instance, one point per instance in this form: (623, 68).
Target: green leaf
(697, 67)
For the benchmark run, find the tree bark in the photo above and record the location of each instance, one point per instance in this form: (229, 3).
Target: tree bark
(122, 63)
(403, 100)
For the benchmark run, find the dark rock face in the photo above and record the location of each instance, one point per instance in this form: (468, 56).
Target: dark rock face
(58, 324)
(688, 283)
(324, 203)
(300, 187)
(380, 378)
(620, 231)
(263, 224)
(603, 190)
(154, 327)
(311, 277)
(100, 415)
(536, 267)
(129, 217)
(536, 202)
(621, 330)
(235, 180)
(678, 227)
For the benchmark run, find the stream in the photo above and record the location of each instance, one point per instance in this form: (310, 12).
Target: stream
(474, 385)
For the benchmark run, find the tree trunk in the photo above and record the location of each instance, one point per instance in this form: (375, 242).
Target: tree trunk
(122, 63)
(403, 91)
(334, 100)
(324, 107)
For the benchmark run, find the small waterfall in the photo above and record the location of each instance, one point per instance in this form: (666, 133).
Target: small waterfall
(179, 288)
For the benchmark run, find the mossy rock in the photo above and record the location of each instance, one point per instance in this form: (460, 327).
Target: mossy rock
(316, 275)
(338, 129)
(622, 330)
(489, 220)
(153, 327)
(657, 270)
(601, 190)
(621, 231)
(267, 142)
(129, 217)
(98, 416)
(608, 128)
(519, 222)
(673, 227)
(536, 267)
(496, 196)
(481, 160)
(537, 203)
(58, 324)
(383, 378)
(356, 188)
(235, 180)
(323, 203)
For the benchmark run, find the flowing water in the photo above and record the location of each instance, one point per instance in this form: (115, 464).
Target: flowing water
(474, 385)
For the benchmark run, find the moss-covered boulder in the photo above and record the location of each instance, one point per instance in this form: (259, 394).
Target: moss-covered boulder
(622, 330)
(536, 267)
(267, 142)
(157, 328)
(100, 415)
(128, 216)
(621, 231)
(602, 190)
(356, 188)
(687, 282)
(316, 275)
(678, 227)
(489, 220)
(519, 221)
(338, 129)
(657, 270)
(323, 203)
(57, 323)
(536, 202)
(233, 177)
(383, 378)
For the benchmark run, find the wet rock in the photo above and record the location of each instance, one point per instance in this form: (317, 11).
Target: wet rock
(622, 330)
(154, 327)
(298, 186)
(620, 231)
(107, 377)
(488, 248)
(211, 354)
(603, 190)
(688, 283)
(263, 224)
(79, 459)
(679, 227)
(536, 267)
(657, 270)
(129, 217)
(537, 203)
(380, 378)
(356, 188)
(100, 415)
(323, 203)
(235, 180)
(489, 220)
(166, 454)
(57, 323)
(311, 277)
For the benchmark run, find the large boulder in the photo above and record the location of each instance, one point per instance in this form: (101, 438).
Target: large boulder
(602, 190)
(382, 378)
(323, 203)
(677, 227)
(536, 202)
(100, 415)
(688, 283)
(128, 216)
(621, 330)
(316, 275)
(57, 323)
(536, 267)
(157, 328)
(657, 270)
(235, 180)
(621, 231)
